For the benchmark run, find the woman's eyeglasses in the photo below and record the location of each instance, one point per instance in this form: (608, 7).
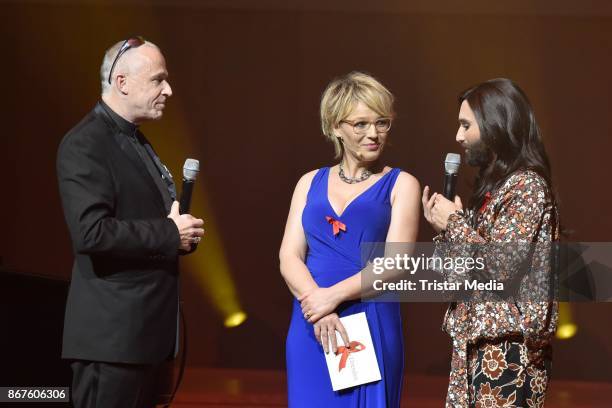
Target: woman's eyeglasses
(361, 127)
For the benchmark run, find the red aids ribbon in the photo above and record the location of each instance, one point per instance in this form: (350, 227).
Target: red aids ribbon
(337, 225)
(354, 347)
(485, 203)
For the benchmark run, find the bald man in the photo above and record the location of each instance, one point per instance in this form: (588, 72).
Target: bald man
(120, 205)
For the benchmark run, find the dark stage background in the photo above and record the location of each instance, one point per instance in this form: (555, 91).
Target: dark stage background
(247, 80)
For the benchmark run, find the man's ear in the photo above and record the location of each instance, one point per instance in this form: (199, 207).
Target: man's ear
(121, 84)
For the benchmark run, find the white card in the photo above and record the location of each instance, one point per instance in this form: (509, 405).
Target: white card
(356, 364)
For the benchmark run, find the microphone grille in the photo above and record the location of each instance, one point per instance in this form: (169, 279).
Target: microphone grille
(191, 168)
(452, 163)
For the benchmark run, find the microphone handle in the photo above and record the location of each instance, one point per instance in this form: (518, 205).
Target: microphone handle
(185, 203)
(450, 181)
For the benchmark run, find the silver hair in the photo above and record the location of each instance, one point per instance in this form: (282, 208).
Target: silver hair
(107, 62)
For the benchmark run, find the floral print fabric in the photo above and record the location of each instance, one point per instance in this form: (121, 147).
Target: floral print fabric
(500, 375)
(521, 210)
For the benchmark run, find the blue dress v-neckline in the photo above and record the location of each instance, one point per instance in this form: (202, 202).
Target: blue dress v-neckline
(348, 205)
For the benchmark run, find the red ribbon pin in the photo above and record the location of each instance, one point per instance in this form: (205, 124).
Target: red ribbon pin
(337, 226)
(485, 203)
(354, 347)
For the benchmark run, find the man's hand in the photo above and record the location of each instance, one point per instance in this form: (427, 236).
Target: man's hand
(437, 209)
(325, 331)
(189, 227)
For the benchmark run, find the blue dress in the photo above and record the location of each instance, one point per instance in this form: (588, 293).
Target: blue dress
(330, 259)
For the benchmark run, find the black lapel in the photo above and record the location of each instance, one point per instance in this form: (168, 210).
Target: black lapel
(131, 153)
(161, 183)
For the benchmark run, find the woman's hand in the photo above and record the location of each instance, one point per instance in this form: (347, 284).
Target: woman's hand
(319, 302)
(325, 332)
(437, 209)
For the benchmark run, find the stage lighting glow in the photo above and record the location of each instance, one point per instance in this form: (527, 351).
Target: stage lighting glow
(208, 266)
(235, 319)
(566, 331)
(566, 328)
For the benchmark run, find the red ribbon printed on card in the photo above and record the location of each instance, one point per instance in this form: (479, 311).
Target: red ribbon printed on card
(337, 225)
(354, 347)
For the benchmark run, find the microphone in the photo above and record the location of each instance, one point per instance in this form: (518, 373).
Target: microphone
(451, 168)
(191, 168)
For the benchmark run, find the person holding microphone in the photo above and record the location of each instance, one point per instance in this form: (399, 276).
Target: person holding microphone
(501, 349)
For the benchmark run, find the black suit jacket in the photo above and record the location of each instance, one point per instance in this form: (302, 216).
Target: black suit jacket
(123, 299)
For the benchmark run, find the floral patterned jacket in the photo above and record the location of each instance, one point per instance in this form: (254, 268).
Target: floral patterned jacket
(521, 210)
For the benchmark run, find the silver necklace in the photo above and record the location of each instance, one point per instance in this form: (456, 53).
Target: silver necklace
(364, 176)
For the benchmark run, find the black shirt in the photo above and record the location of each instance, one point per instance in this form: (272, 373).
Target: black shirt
(159, 172)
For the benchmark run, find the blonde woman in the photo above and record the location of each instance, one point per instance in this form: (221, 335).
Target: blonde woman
(333, 210)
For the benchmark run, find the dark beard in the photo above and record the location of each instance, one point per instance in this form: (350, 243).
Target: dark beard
(478, 155)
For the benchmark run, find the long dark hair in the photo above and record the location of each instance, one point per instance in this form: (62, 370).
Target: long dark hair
(509, 130)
